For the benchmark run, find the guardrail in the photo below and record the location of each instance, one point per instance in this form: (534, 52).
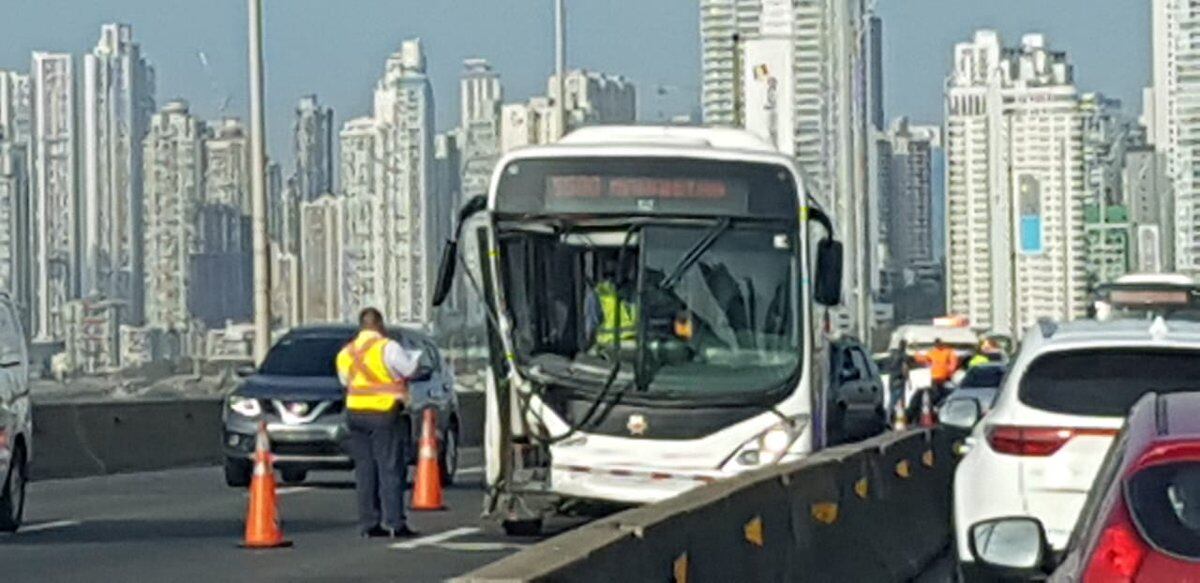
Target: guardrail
(73, 439)
(873, 511)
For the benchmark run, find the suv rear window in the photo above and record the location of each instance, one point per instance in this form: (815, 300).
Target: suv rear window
(1165, 504)
(1106, 382)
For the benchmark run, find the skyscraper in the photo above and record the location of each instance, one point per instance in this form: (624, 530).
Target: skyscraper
(174, 171)
(394, 223)
(312, 134)
(227, 166)
(1015, 185)
(55, 222)
(15, 191)
(724, 24)
(1174, 120)
(321, 248)
(478, 144)
(118, 100)
(910, 197)
(480, 92)
(592, 98)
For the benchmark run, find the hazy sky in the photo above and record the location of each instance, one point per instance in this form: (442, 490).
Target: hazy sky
(337, 49)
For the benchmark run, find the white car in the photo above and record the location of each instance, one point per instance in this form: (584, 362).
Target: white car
(1064, 399)
(16, 425)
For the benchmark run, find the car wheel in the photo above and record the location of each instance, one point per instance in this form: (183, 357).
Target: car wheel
(522, 527)
(237, 473)
(12, 501)
(449, 455)
(293, 475)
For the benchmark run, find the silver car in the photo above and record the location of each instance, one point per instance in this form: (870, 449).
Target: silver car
(16, 417)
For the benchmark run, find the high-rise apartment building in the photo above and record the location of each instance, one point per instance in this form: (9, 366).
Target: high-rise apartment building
(173, 193)
(1014, 184)
(312, 141)
(909, 196)
(1150, 199)
(480, 92)
(478, 143)
(55, 248)
(118, 100)
(15, 191)
(592, 98)
(322, 277)
(1174, 119)
(394, 223)
(227, 165)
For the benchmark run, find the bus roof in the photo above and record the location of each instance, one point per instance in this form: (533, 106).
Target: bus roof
(668, 136)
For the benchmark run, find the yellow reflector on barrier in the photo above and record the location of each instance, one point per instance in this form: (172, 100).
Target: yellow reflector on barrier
(862, 488)
(754, 531)
(825, 512)
(903, 470)
(680, 568)
(927, 458)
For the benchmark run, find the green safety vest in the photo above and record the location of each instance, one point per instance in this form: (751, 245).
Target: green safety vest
(607, 334)
(977, 360)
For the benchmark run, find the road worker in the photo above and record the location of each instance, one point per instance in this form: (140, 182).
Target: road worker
(375, 370)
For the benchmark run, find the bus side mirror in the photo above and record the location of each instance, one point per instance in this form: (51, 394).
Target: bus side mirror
(828, 284)
(445, 276)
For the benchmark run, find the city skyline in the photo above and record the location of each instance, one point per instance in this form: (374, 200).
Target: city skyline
(341, 74)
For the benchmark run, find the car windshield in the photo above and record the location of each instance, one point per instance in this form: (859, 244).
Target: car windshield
(1165, 504)
(983, 377)
(305, 356)
(738, 300)
(1105, 382)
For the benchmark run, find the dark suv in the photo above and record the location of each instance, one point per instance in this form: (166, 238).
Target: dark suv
(297, 392)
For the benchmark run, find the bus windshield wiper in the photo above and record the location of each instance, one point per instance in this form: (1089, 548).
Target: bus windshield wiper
(694, 253)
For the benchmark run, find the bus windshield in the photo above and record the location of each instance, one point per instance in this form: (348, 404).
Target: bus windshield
(676, 270)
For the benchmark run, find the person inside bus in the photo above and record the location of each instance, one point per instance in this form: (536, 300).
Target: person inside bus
(610, 312)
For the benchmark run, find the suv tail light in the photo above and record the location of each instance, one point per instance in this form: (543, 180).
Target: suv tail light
(1035, 441)
(1118, 555)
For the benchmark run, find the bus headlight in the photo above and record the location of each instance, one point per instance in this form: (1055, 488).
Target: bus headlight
(771, 445)
(245, 406)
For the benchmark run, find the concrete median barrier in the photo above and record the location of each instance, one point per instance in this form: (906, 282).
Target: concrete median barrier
(84, 438)
(93, 437)
(873, 511)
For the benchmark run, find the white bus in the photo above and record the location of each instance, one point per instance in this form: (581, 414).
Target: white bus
(708, 228)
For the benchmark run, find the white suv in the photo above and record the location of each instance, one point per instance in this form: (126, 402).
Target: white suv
(1037, 451)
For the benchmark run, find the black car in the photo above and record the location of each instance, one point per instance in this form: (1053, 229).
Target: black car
(856, 397)
(297, 392)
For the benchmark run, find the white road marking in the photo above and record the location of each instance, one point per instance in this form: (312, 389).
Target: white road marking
(481, 546)
(471, 470)
(292, 489)
(435, 538)
(48, 526)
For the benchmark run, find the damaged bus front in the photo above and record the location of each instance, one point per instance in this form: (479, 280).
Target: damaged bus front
(655, 317)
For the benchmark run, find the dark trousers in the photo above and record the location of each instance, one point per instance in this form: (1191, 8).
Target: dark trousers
(379, 444)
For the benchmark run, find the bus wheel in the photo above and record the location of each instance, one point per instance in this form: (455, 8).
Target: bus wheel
(522, 527)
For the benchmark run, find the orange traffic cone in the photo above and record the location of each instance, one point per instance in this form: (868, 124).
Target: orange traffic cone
(427, 491)
(927, 419)
(899, 418)
(262, 516)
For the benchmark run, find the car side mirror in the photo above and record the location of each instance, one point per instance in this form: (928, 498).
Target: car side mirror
(961, 413)
(245, 370)
(828, 288)
(1008, 548)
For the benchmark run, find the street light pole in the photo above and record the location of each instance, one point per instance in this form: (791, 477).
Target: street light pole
(258, 190)
(560, 63)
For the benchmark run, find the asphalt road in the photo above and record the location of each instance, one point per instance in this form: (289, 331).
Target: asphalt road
(184, 525)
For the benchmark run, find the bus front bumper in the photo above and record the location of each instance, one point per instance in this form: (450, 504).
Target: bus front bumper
(627, 485)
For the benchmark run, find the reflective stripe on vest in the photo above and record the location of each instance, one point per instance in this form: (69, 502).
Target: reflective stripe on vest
(369, 383)
(610, 302)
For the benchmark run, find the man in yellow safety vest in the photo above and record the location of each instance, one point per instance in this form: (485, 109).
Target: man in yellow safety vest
(375, 371)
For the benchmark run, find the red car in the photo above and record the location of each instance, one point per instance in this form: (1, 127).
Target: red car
(1141, 522)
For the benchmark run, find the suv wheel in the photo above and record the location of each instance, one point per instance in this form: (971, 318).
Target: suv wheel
(449, 455)
(522, 527)
(237, 473)
(12, 500)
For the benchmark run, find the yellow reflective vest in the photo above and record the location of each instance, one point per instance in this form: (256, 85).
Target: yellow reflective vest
(608, 333)
(370, 386)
